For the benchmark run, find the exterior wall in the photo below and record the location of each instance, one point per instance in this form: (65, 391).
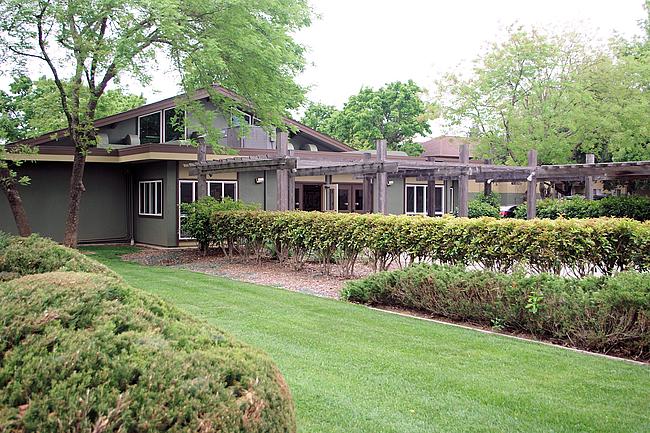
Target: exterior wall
(395, 194)
(157, 230)
(103, 214)
(249, 191)
(271, 190)
(510, 193)
(118, 131)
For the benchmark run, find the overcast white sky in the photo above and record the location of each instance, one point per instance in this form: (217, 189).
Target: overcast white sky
(357, 43)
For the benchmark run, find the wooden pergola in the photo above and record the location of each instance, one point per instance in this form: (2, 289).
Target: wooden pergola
(376, 172)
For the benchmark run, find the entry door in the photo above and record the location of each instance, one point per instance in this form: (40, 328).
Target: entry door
(344, 198)
(357, 198)
(311, 197)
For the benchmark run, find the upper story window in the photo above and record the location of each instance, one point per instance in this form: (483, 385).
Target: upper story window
(162, 126)
(174, 124)
(149, 128)
(240, 118)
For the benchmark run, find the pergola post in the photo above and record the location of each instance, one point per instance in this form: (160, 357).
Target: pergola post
(463, 183)
(292, 187)
(367, 188)
(487, 185)
(590, 158)
(201, 178)
(531, 194)
(381, 180)
(431, 197)
(282, 142)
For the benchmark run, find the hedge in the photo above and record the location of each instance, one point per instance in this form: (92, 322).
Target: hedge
(602, 314)
(634, 207)
(578, 247)
(86, 352)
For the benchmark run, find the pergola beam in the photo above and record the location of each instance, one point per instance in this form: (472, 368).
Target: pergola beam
(351, 168)
(241, 165)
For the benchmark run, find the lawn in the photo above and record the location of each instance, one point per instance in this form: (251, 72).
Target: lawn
(352, 369)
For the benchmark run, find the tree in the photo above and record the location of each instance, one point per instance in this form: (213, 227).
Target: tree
(32, 108)
(396, 113)
(244, 46)
(526, 93)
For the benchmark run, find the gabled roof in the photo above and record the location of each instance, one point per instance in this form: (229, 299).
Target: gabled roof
(170, 103)
(445, 146)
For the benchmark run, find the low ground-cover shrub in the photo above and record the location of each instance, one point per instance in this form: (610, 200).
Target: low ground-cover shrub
(579, 247)
(35, 255)
(85, 352)
(634, 207)
(603, 314)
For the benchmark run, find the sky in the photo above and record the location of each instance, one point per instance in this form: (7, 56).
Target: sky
(355, 43)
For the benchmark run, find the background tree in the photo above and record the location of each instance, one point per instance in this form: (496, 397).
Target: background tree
(396, 112)
(555, 93)
(32, 108)
(244, 46)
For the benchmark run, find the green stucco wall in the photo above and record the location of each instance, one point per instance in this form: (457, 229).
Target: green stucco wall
(157, 230)
(249, 191)
(103, 214)
(395, 197)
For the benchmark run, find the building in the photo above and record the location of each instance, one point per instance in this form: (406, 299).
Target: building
(137, 177)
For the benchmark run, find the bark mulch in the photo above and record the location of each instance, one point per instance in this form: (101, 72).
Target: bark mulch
(310, 279)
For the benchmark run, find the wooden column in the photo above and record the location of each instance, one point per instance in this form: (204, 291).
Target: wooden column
(202, 183)
(367, 188)
(380, 205)
(282, 143)
(329, 193)
(531, 194)
(487, 185)
(463, 183)
(590, 158)
(431, 197)
(292, 187)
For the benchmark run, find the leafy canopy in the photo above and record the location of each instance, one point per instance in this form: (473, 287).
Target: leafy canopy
(244, 46)
(556, 93)
(32, 107)
(396, 113)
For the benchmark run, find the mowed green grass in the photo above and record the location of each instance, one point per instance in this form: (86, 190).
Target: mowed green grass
(352, 369)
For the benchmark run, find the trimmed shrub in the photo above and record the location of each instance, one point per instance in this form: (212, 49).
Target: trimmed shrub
(478, 208)
(196, 222)
(602, 314)
(634, 207)
(83, 351)
(35, 255)
(578, 247)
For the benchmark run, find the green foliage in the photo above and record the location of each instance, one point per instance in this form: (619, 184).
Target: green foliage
(580, 247)
(604, 314)
(558, 93)
(197, 222)
(35, 255)
(485, 206)
(395, 112)
(635, 207)
(34, 107)
(86, 352)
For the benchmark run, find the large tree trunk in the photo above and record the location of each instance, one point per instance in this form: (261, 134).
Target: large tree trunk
(74, 202)
(15, 202)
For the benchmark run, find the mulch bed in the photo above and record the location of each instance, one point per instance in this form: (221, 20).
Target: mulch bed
(310, 279)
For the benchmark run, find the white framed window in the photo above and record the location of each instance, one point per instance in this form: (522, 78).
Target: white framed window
(187, 193)
(161, 127)
(150, 198)
(416, 200)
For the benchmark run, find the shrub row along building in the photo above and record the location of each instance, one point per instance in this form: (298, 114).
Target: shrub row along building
(143, 168)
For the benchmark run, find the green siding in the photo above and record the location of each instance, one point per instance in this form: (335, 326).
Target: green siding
(103, 214)
(157, 230)
(271, 190)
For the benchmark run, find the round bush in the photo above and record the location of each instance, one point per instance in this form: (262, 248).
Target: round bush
(36, 255)
(85, 352)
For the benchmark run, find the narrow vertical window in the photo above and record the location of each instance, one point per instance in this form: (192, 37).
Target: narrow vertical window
(150, 199)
